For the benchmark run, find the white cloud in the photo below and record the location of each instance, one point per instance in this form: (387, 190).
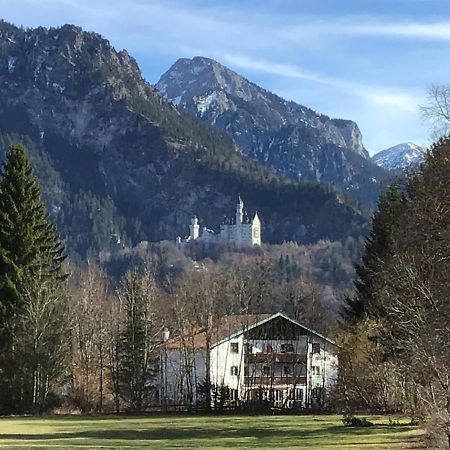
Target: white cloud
(417, 30)
(276, 48)
(377, 95)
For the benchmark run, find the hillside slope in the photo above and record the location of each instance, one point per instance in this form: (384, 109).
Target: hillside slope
(120, 163)
(290, 138)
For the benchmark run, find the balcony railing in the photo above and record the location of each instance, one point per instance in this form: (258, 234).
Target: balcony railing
(271, 358)
(266, 380)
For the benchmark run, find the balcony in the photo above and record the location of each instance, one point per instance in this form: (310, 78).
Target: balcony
(265, 381)
(273, 358)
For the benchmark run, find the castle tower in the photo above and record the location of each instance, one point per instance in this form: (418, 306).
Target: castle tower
(194, 229)
(239, 211)
(256, 230)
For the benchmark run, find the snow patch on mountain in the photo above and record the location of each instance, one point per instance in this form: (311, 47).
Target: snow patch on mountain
(204, 103)
(400, 157)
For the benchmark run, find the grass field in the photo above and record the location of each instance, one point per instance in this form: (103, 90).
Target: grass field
(200, 432)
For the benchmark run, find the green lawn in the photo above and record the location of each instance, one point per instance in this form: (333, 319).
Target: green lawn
(201, 432)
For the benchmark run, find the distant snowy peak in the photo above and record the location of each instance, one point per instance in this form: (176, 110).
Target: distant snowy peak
(400, 156)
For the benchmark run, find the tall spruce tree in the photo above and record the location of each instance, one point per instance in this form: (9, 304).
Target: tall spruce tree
(378, 249)
(31, 297)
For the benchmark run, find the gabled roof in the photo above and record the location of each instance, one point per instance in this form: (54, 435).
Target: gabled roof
(220, 328)
(268, 319)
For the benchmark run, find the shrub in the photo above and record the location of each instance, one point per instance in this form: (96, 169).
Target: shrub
(349, 420)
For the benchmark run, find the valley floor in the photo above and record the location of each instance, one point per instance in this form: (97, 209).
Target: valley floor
(201, 432)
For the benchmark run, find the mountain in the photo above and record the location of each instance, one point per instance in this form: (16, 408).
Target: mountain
(119, 163)
(292, 139)
(400, 157)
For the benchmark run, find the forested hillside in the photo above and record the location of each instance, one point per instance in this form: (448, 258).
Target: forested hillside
(119, 164)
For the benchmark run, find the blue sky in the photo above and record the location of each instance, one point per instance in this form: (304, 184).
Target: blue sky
(366, 60)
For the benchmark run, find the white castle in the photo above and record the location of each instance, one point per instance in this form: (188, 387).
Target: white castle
(239, 230)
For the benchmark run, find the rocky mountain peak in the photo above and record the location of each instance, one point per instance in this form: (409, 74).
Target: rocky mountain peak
(190, 77)
(62, 58)
(290, 138)
(400, 157)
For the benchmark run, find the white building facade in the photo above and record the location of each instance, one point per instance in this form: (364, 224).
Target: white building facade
(275, 360)
(240, 230)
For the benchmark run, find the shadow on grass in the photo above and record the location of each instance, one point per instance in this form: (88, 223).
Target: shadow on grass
(333, 433)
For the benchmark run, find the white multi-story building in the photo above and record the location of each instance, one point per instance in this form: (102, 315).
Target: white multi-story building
(250, 358)
(240, 230)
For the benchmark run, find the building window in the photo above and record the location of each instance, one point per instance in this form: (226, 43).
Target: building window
(287, 370)
(296, 394)
(269, 348)
(287, 348)
(248, 349)
(246, 371)
(315, 370)
(234, 347)
(315, 347)
(267, 370)
(234, 371)
(278, 395)
(317, 392)
(232, 394)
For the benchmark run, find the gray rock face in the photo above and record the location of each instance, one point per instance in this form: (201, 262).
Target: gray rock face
(292, 139)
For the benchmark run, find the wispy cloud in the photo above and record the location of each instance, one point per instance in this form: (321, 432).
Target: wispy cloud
(377, 95)
(416, 30)
(367, 63)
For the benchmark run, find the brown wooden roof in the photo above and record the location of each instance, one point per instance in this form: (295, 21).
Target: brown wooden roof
(222, 327)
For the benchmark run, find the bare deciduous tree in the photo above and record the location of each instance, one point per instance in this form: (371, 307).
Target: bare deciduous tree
(90, 310)
(436, 110)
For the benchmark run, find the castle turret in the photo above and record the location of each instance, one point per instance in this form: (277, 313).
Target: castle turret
(239, 211)
(194, 229)
(256, 230)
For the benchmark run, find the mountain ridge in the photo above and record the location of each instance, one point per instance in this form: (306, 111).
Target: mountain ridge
(290, 138)
(117, 159)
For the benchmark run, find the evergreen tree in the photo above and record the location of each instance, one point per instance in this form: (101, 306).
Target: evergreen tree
(378, 248)
(31, 297)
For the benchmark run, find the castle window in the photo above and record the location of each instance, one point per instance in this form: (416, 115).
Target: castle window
(234, 371)
(234, 347)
